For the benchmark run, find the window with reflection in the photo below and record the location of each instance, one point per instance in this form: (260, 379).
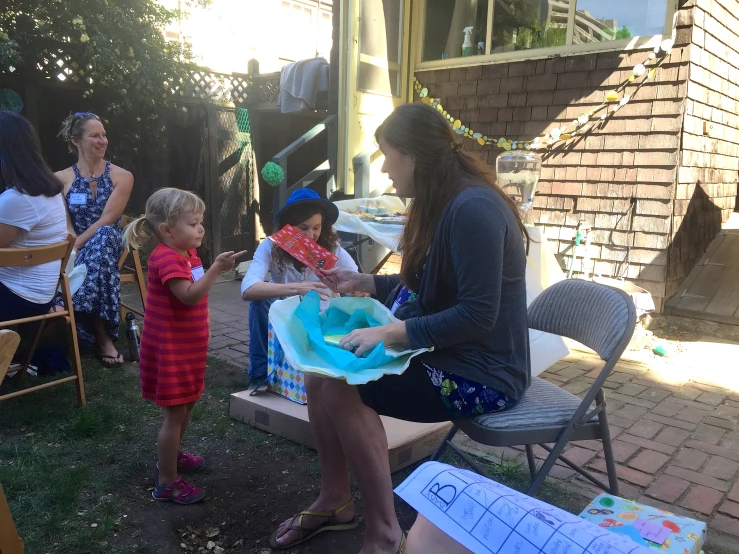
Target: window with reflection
(515, 25)
(380, 46)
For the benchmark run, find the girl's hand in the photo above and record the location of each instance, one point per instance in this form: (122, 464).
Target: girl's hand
(345, 281)
(301, 289)
(227, 260)
(362, 341)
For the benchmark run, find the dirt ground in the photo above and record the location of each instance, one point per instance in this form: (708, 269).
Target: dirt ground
(254, 482)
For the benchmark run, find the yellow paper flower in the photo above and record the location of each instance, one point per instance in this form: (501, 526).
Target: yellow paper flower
(611, 96)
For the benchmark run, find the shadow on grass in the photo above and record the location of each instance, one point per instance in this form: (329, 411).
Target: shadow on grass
(61, 466)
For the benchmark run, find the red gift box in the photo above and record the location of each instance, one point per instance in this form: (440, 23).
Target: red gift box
(303, 249)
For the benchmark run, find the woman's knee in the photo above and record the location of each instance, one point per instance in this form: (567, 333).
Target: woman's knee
(340, 397)
(313, 384)
(109, 235)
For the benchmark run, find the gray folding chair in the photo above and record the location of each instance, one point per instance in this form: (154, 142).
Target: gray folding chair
(600, 317)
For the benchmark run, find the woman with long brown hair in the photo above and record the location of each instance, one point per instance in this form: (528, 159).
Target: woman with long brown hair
(461, 290)
(31, 214)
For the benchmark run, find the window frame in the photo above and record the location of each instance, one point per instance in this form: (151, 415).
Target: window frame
(633, 43)
(317, 9)
(383, 63)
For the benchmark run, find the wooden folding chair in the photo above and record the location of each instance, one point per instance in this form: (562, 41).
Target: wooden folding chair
(10, 542)
(25, 257)
(9, 341)
(130, 274)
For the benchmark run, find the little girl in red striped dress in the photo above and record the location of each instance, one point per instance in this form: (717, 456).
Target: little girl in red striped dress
(174, 342)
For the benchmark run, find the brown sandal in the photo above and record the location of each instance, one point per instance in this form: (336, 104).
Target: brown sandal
(305, 535)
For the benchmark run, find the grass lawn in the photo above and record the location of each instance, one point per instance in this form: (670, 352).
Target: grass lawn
(79, 480)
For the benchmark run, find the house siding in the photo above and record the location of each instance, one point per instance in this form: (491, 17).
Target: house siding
(708, 170)
(621, 178)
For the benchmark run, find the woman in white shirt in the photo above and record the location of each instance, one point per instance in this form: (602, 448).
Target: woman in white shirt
(31, 214)
(314, 217)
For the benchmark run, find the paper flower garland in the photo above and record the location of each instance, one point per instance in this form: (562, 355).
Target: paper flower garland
(273, 174)
(579, 126)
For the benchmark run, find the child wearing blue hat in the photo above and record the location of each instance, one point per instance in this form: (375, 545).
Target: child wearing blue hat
(314, 217)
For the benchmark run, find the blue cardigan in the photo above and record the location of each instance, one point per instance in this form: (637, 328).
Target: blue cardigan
(471, 304)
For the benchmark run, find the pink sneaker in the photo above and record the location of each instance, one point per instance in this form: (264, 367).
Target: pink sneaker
(187, 493)
(189, 463)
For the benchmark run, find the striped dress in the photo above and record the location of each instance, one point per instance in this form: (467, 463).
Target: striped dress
(174, 342)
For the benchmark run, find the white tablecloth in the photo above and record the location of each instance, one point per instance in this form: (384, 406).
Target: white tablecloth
(542, 269)
(386, 234)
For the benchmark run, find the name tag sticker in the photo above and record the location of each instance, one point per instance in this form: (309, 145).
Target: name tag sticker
(78, 198)
(197, 273)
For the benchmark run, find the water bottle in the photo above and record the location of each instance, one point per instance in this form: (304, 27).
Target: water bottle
(133, 337)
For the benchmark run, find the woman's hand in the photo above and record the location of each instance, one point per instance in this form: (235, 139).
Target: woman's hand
(303, 288)
(361, 341)
(79, 243)
(345, 281)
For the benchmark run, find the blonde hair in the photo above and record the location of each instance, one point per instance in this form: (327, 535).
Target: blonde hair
(164, 206)
(73, 128)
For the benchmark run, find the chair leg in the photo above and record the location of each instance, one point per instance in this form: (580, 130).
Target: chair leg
(608, 452)
(585, 473)
(10, 542)
(442, 447)
(140, 279)
(544, 470)
(79, 383)
(467, 459)
(532, 460)
(18, 379)
(9, 341)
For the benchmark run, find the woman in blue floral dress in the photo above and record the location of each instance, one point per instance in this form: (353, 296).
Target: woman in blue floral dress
(96, 193)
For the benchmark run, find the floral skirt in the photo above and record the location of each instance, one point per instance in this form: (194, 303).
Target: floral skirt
(100, 293)
(466, 398)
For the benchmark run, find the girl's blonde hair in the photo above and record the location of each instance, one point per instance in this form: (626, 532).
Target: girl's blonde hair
(164, 206)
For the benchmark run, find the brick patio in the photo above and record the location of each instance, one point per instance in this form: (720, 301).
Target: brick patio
(674, 425)
(674, 420)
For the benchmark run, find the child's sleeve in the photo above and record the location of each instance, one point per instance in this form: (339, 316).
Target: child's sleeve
(260, 265)
(173, 266)
(345, 260)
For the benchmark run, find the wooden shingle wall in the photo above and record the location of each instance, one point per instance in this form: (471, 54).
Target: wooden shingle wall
(620, 178)
(709, 160)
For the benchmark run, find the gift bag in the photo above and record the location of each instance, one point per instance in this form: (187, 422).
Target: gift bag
(300, 328)
(282, 378)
